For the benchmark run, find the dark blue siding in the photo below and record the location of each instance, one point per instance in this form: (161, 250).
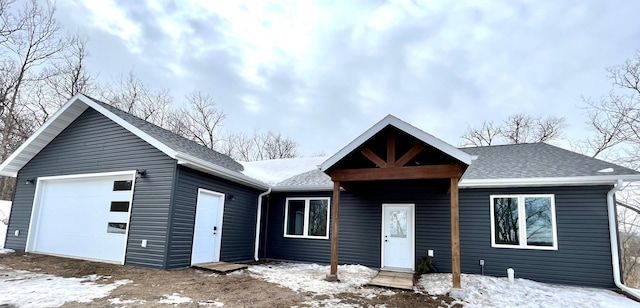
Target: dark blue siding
(92, 144)
(583, 256)
(584, 253)
(239, 223)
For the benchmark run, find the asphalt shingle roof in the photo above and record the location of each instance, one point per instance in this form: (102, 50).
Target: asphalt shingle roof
(533, 160)
(174, 141)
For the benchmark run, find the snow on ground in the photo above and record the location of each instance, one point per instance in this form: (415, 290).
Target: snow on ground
(277, 170)
(174, 298)
(4, 250)
(27, 289)
(311, 278)
(487, 291)
(5, 209)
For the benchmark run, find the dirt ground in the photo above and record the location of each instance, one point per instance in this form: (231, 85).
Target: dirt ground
(238, 290)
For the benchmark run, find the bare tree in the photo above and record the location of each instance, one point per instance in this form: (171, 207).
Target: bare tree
(259, 146)
(486, 135)
(614, 121)
(30, 41)
(199, 120)
(129, 93)
(517, 128)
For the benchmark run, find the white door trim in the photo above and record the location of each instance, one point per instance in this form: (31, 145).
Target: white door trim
(218, 239)
(413, 233)
(37, 203)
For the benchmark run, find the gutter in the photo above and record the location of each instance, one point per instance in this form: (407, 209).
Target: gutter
(547, 181)
(258, 224)
(613, 238)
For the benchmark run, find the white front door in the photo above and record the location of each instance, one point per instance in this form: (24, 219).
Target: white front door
(398, 235)
(207, 232)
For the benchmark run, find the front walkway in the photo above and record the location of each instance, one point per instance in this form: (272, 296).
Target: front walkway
(398, 280)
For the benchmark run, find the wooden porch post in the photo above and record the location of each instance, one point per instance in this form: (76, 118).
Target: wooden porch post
(333, 276)
(455, 234)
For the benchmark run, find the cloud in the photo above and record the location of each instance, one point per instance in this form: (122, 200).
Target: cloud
(322, 72)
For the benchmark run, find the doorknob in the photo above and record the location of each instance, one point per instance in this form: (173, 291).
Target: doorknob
(215, 228)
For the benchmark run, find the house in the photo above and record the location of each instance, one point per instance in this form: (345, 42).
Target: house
(97, 183)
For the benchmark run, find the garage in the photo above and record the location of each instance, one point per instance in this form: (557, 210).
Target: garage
(82, 216)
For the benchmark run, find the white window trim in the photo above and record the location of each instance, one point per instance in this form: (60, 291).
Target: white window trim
(522, 223)
(305, 227)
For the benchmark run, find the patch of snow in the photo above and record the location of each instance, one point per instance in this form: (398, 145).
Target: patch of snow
(27, 289)
(311, 278)
(277, 170)
(4, 251)
(487, 291)
(606, 170)
(174, 298)
(5, 210)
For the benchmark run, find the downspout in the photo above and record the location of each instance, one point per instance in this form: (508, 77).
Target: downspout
(258, 222)
(613, 238)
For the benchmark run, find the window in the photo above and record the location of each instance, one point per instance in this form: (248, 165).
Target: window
(523, 221)
(307, 218)
(117, 227)
(120, 206)
(122, 185)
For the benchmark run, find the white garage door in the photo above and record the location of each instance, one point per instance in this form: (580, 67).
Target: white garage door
(82, 217)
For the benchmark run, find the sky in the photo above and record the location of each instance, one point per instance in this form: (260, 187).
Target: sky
(322, 72)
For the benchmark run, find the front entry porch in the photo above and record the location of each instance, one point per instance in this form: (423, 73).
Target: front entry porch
(372, 158)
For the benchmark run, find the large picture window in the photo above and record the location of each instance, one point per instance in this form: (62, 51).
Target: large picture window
(307, 218)
(523, 221)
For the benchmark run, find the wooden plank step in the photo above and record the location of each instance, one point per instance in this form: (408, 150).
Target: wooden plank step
(220, 267)
(397, 280)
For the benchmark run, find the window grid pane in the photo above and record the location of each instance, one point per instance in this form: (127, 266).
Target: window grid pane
(120, 206)
(506, 221)
(318, 217)
(295, 217)
(539, 223)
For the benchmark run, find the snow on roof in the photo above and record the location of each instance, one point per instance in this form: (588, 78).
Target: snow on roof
(275, 171)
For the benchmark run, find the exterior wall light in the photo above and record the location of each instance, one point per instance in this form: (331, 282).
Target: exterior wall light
(140, 173)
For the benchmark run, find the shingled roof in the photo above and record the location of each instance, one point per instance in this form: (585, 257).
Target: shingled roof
(174, 141)
(186, 152)
(504, 165)
(536, 160)
(493, 166)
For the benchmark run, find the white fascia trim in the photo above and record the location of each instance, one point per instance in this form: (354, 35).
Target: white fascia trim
(205, 166)
(33, 137)
(302, 188)
(548, 181)
(76, 99)
(404, 126)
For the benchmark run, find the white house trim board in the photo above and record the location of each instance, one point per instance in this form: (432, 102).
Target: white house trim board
(207, 167)
(36, 213)
(41, 137)
(61, 120)
(548, 181)
(403, 126)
